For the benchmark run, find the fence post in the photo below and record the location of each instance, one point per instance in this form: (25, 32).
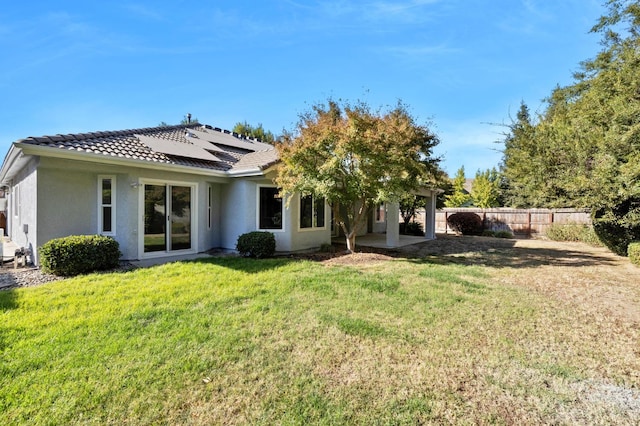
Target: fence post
(446, 226)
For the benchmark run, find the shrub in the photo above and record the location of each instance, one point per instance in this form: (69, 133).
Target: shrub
(411, 228)
(634, 252)
(465, 223)
(618, 226)
(79, 254)
(488, 233)
(256, 244)
(503, 234)
(572, 232)
(327, 248)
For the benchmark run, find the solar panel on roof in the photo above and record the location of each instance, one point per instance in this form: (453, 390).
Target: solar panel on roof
(177, 148)
(227, 139)
(202, 142)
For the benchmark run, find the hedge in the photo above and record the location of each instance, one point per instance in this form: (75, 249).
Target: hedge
(256, 244)
(634, 252)
(79, 254)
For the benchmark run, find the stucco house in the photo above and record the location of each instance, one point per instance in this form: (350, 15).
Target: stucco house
(161, 191)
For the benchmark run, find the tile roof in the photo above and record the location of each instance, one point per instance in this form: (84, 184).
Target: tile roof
(258, 159)
(192, 145)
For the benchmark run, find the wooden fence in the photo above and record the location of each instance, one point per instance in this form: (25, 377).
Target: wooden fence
(520, 222)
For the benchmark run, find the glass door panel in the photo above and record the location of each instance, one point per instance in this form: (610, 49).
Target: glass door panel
(180, 220)
(155, 220)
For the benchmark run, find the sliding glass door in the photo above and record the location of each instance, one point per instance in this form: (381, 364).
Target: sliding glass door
(167, 218)
(180, 219)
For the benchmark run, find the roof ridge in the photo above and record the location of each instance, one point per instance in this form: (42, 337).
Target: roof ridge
(105, 133)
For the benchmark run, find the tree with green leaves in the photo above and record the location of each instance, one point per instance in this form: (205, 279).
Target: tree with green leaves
(355, 158)
(584, 150)
(459, 196)
(485, 189)
(409, 205)
(258, 131)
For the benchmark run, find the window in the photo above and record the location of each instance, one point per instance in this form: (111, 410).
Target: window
(106, 205)
(311, 212)
(270, 208)
(380, 213)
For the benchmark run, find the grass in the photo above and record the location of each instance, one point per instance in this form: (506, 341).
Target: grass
(295, 342)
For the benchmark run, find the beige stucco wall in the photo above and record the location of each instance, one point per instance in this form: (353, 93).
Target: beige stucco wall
(67, 202)
(59, 197)
(240, 215)
(24, 192)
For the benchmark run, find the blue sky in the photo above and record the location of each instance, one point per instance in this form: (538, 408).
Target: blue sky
(81, 66)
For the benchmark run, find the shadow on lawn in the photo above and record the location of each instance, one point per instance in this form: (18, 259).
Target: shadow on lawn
(7, 301)
(494, 252)
(520, 258)
(503, 253)
(248, 265)
(446, 249)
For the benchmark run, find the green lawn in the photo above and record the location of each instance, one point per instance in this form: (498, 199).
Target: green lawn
(295, 342)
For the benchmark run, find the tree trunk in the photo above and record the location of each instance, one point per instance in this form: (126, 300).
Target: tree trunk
(351, 242)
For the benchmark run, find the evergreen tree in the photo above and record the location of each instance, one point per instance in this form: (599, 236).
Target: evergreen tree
(584, 150)
(485, 189)
(258, 131)
(459, 196)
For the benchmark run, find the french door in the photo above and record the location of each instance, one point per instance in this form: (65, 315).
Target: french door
(168, 221)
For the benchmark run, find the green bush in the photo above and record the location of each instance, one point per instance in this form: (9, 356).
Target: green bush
(327, 248)
(488, 233)
(411, 228)
(79, 254)
(256, 244)
(634, 252)
(465, 223)
(503, 234)
(618, 226)
(577, 232)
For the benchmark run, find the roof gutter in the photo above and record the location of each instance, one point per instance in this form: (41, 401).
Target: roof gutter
(254, 171)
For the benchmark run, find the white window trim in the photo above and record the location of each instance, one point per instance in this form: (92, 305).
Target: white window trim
(194, 218)
(113, 205)
(284, 222)
(314, 226)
